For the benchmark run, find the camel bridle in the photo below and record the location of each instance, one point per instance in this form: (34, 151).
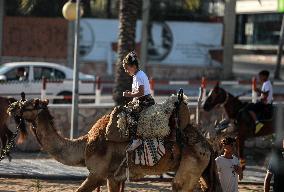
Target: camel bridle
(226, 99)
(177, 120)
(39, 108)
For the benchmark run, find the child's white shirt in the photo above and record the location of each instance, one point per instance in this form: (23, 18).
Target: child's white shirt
(140, 78)
(227, 175)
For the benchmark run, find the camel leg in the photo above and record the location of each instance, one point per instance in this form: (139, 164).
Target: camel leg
(113, 186)
(188, 173)
(122, 184)
(91, 183)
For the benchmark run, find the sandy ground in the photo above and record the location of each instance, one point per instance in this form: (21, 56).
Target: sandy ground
(30, 185)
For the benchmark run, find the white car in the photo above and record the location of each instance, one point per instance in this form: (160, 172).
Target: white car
(27, 77)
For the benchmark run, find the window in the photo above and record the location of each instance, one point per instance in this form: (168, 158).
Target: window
(18, 74)
(59, 74)
(49, 73)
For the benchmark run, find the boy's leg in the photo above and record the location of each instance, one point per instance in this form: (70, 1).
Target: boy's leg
(258, 125)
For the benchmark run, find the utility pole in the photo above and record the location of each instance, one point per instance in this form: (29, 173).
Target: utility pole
(279, 51)
(144, 34)
(229, 37)
(75, 113)
(70, 44)
(2, 13)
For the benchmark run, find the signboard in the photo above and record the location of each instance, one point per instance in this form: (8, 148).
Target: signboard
(257, 6)
(280, 6)
(172, 43)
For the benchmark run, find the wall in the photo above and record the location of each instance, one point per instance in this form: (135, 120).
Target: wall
(35, 37)
(89, 115)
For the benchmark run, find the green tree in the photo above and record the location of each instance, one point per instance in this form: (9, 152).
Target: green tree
(47, 8)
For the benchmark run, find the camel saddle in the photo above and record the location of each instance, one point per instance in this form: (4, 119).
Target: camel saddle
(153, 122)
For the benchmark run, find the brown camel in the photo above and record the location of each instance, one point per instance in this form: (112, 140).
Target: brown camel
(6, 135)
(103, 158)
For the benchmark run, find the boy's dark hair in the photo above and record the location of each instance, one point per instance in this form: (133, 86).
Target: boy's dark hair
(264, 73)
(131, 59)
(228, 141)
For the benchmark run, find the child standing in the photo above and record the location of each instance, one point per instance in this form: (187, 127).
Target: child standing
(228, 167)
(140, 88)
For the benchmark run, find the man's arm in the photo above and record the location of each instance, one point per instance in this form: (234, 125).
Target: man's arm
(267, 181)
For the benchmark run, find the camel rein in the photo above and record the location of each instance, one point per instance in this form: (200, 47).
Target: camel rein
(11, 142)
(226, 100)
(178, 130)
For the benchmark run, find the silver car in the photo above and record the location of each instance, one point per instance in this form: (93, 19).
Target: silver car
(34, 71)
(27, 77)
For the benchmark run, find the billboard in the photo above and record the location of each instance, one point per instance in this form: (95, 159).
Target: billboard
(169, 43)
(257, 6)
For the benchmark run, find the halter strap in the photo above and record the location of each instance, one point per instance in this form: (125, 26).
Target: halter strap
(226, 99)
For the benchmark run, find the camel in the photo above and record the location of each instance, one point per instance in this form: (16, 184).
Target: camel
(103, 158)
(6, 135)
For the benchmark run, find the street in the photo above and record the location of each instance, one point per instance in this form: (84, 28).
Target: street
(29, 171)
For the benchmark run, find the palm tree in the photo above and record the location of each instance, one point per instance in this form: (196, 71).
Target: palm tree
(128, 12)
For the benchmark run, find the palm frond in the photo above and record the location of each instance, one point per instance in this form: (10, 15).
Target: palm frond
(26, 6)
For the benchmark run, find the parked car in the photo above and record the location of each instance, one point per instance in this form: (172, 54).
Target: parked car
(27, 77)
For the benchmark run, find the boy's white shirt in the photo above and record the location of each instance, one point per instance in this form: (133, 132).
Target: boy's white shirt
(227, 175)
(267, 86)
(140, 78)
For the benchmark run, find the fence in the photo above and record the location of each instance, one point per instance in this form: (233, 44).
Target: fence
(203, 85)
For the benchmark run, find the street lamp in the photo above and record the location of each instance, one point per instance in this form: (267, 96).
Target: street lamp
(69, 10)
(72, 11)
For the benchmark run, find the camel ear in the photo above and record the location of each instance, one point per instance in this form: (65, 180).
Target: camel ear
(217, 84)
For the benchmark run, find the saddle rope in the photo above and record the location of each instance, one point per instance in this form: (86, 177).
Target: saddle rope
(11, 143)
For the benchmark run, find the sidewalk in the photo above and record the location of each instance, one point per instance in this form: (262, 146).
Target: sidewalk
(41, 166)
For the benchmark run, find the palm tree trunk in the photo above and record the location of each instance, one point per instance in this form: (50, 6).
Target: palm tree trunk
(126, 43)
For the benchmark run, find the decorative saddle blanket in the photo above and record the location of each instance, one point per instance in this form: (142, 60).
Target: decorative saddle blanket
(150, 152)
(153, 121)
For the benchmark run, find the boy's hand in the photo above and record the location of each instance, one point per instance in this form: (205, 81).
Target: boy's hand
(258, 91)
(126, 94)
(238, 169)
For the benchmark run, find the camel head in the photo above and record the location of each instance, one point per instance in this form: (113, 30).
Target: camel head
(182, 109)
(27, 110)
